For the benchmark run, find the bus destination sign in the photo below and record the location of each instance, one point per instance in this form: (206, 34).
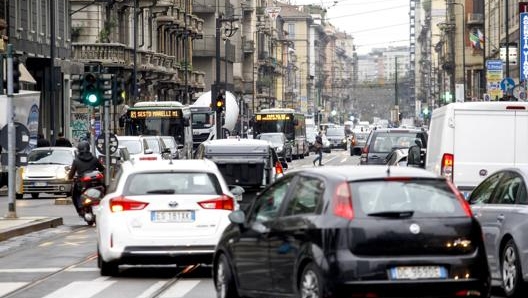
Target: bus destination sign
(154, 114)
(273, 117)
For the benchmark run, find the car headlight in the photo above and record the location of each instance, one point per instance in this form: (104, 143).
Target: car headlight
(62, 175)
(343, 141)
(279, 149)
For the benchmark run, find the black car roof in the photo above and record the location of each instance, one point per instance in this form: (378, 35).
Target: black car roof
(356, 172)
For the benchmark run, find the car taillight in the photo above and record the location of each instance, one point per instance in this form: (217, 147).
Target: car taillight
(446, 168)
(365, 150)
(148, 158)
(278, 168)
(343, 202)
(461, 199)
(98, 176)
(224, 203)
(121, 203)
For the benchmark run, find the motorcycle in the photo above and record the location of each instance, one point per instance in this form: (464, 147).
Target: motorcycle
(92, 191)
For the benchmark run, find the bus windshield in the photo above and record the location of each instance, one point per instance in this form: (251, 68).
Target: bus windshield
(157, 127)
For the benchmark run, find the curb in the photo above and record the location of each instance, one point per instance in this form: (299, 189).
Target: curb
(33, 226)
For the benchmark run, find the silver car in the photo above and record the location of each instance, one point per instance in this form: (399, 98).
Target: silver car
(500, 203)
(47, 172)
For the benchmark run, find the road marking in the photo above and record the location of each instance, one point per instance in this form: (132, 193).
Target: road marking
(30, 270)
(89, 289)
(82, 269)
(8, 287)
(46, 244)
(180, 289)
(152, 289)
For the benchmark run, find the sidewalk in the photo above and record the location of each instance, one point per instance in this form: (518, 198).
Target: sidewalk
(12, 227)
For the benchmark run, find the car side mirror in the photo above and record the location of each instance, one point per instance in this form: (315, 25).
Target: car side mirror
(148, 151)
(237, 217)
(414, 156)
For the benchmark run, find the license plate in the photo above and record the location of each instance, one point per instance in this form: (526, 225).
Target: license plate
(172, 216)
(418, 272)
(40, 183)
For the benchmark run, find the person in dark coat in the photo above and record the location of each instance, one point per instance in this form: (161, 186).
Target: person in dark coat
(83, 162)
(42, 142)
(61, 141)
(318, 149)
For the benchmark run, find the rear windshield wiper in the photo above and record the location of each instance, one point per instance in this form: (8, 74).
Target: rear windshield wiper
(396, 214)
(161, 191)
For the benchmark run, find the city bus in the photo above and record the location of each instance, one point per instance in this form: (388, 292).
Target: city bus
(162, 118)
(287, 121)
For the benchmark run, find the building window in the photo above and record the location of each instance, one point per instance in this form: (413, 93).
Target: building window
(291, 31)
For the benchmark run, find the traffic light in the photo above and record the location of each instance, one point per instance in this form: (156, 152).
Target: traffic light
(91, 95)
(105, 83)
(16, 75)
(76, 87)
(119, 95)
(220, 102)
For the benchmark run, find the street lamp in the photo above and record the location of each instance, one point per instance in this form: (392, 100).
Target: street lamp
(230, 30)
(463, 49)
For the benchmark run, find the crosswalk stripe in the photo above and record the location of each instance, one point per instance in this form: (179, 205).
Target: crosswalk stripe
(8, 287)
(29, 270)
(152, 289)
(89, 289)
(180, 289)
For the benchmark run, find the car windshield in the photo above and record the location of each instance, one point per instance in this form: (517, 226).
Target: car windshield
(169, 142)
(423, 197)
(386, 141)
(133, 146)
(172, 183)
(63, 157)
(335, 132)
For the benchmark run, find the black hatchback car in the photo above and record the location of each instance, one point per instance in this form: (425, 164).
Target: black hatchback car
(354, 231)
(383, 141)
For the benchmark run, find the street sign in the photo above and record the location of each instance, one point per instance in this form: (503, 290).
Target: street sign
(523, 32)
(273, 11)
(507, 84)
(100, 143)
(21, 137)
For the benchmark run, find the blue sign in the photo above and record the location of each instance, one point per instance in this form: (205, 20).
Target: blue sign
(507, 84)
(523, 34)
(494, 65)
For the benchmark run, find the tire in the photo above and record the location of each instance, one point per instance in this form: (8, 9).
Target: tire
(312, 283)
(19, 196)
(35, 195)
(512, 281)
(107, 268)
(223, 279)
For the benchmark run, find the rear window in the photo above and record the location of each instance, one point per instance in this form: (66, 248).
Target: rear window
(335, 132)
(386, 141)
(154, 145)
(427, 198)
(172, 183)
(133, 146)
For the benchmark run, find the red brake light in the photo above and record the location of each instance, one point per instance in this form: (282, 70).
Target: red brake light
(224, 203)
(278, 168)
(98, 176)
(343, 202)
(365, 150)
(446, 168)
(461, 199)
(148, 158)
(121, 203)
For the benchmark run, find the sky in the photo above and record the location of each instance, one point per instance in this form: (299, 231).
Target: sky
(372, 23)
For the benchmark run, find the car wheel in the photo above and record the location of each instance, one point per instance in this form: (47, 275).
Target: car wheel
(19, 196)
(224, 281)
(312, 283)
(35, 195)
(107, 268)
(512, 281)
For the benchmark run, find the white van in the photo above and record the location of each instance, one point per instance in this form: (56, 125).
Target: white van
(469, 140)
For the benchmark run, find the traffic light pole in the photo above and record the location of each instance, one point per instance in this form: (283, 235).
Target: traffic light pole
(11, 194)
(107, 141)
(216, 89)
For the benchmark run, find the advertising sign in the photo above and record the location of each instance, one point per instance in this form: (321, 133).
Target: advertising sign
(523, 33)
(494, 78)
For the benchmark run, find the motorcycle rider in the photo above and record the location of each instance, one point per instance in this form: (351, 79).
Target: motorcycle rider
(83, 162)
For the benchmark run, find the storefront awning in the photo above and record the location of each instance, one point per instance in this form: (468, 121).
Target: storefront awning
(25, 76)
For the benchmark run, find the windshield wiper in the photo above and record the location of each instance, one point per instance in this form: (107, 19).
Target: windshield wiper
(396, 214)
(161, 191)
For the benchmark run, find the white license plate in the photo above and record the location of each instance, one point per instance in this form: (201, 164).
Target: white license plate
(418, 272)
(40, 183)
(172, 216)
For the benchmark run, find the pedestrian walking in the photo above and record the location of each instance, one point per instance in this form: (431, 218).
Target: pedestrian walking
(61, 141)
(318, 145)
(42, 142)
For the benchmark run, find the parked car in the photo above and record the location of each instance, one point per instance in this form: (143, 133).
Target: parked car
(336, 136)
(47, 171)
(350, 231)
(382, 141)
(278, 140)
(163, 212)
(139, 148)
(500, 204)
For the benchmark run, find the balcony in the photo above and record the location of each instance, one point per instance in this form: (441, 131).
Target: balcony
(475, 19)
(204, 6)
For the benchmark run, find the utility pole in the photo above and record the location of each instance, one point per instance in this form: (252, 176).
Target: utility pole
(11, 194)
(506, 27)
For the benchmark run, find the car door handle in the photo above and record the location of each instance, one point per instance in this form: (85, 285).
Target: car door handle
(500, 217)
(374, 157)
